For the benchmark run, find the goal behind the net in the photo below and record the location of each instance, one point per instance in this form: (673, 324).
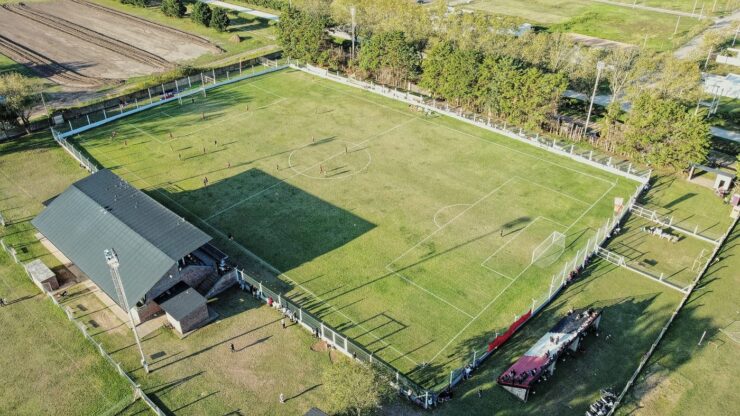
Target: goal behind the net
(549, 250)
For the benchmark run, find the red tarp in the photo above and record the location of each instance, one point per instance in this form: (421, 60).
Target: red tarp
(506, 335)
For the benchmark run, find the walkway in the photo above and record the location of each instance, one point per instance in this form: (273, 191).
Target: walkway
(242, 9)
(694, 44)
(649, 8)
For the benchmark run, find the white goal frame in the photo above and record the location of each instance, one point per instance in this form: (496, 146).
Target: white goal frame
(547, 243)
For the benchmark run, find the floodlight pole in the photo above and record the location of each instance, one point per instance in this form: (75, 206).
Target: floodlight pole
(599, 67)
(112, 259)
(353, 12)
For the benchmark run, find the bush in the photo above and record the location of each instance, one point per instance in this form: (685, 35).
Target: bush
(219, 19)
(137, 3)
(201, 13)
(173, 8)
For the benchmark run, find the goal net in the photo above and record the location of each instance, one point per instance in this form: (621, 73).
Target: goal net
(549, 250)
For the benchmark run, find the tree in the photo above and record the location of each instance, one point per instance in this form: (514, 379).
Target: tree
(19, 94)
(355, 388)
(201, 13)
(173, 8)
(137, 3)
(433, 66)
(302, 35)
(459, 76)
(390, 58)
(219, 19)
(662, 132)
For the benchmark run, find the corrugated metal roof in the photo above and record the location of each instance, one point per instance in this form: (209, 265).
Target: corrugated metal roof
(103, 211)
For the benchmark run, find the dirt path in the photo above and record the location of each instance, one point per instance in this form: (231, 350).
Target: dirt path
(647, 8)
(686, 51)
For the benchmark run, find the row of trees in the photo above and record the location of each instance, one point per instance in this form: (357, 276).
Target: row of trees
(203, 14)
(490, 65)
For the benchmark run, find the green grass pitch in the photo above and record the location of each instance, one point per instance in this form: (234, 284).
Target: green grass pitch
(411, 234)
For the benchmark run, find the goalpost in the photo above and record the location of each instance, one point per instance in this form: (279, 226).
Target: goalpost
(554, 244)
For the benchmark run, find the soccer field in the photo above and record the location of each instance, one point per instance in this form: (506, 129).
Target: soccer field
(412, 234)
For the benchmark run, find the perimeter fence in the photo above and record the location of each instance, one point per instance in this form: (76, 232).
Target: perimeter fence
(422, 396)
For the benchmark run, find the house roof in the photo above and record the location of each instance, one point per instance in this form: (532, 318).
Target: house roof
(181, 301)
(103, 211)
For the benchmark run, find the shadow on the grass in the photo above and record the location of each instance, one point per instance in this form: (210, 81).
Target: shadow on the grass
(281, 223)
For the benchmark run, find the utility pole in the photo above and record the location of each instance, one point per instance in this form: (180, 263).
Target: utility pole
(599, 67)
(353, 12)
(678, 21)
(112, 259)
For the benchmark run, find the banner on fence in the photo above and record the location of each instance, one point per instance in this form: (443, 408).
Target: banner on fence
(501, 339)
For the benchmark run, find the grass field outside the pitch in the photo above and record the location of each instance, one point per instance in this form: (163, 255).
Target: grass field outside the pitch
(612, 22)
(683, 377)
(47, 365)
(411, 234)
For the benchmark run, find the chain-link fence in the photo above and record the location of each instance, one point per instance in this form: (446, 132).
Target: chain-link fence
(173, 91)
(584, 155)
(424, 397)
(336, 339)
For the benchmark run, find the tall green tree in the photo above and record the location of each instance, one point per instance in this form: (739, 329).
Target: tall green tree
(219, 19)
(662, 132)
(355, 388)
(390, 58)
(496, 87)
(433, 67)
(302, 35)
(18, 95)
(201, 13)
(459, 76)
(173, 8)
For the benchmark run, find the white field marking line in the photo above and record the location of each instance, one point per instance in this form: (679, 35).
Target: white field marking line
(36, 322)
(499, 273)
(451, 220)
(390, 267)
(554, 190)
(592, 206)
(224, 119)
(434, 218)
(464, 133)
(260, 192)
(516, 278)
(149, 134)
(482, 311)
(519, 151)
(518, 233)
(369, 161)
(280, 273)
(254, 84)
(422, 288)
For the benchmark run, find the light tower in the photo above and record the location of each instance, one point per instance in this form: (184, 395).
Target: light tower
(112, 259)
(599, 67)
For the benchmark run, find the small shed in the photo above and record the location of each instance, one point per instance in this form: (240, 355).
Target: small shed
(186, 309)
(42, 275)
(722, 180)
(315, 412)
